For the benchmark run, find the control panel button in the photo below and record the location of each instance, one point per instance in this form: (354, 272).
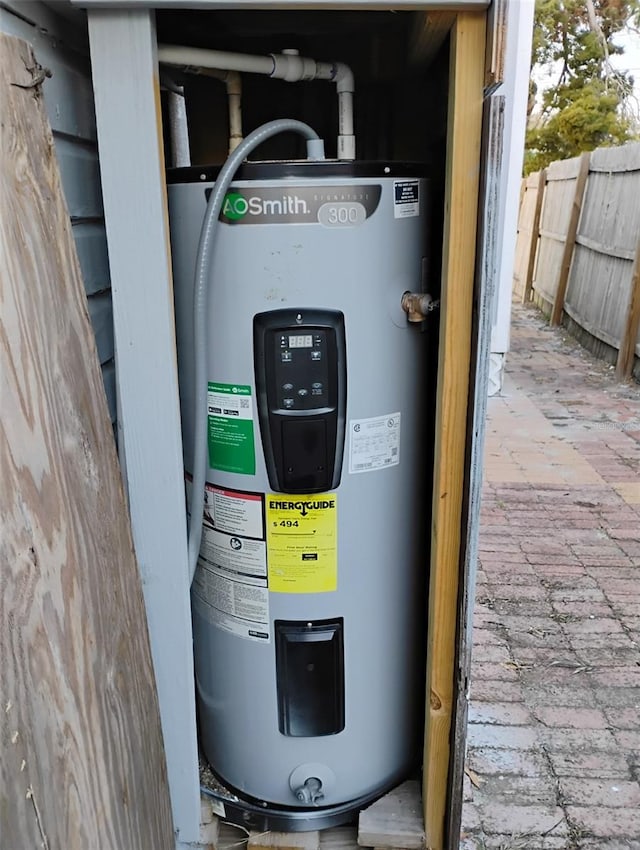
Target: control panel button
(288, 403)
(316, 388)
(315, 355)
(317, 340)
(287, 387)
(286, 356)
(283, 341)
(303, 392)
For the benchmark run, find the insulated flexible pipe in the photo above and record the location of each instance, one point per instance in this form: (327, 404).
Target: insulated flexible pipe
(287, 66)
(315, 150)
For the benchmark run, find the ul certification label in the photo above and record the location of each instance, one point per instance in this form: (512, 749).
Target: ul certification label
(231, 580)
(374, 443)
(302, 543)
(231, 446)
(406, 200)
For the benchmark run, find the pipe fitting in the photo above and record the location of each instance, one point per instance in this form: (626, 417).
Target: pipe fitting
(417, 305)
(288, 65)
(311, 792)
(233, 84)
(343, 78)
(292, 67)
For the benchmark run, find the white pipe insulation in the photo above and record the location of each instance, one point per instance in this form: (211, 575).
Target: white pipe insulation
(179, 130)
(289, 66)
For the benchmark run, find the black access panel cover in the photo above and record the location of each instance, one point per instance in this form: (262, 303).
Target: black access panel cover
(301, 385)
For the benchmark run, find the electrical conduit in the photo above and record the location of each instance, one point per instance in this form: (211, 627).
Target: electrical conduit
(315, 150)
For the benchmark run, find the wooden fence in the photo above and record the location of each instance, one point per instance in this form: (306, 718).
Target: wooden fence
(578, 250)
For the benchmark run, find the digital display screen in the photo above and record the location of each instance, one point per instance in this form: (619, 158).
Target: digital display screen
(301, 341)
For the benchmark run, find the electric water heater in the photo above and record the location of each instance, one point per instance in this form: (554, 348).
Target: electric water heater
(309, 596)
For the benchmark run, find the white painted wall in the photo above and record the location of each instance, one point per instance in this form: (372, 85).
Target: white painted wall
(516, 91)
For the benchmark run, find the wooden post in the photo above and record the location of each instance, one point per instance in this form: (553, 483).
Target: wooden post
(488, 262)
(535, 234)
(459, 254)
(496, 49)
(626, 352)
(570, 242)
(82, 756)
(125, 80)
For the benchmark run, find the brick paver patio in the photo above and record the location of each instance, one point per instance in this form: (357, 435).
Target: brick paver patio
(554, 735)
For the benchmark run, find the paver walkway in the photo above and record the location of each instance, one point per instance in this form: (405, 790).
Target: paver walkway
(554, 735)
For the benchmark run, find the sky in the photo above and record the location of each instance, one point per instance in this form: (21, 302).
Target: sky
(629, 61)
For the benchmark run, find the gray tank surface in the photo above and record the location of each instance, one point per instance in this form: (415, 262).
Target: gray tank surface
(308, 607)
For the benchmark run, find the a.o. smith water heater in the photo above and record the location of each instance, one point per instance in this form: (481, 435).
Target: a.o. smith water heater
(308, 596)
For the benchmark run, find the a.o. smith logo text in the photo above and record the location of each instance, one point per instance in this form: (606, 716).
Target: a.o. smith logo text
(331, 206)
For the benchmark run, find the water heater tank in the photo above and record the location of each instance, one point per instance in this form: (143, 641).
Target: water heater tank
(308, 600)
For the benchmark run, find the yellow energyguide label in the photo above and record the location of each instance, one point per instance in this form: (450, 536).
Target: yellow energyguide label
(302, 546)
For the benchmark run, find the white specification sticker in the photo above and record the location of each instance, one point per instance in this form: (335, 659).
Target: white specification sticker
(406, 198)
(374, 443)
(236, 603)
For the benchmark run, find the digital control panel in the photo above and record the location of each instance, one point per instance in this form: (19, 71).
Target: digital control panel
(300, 367)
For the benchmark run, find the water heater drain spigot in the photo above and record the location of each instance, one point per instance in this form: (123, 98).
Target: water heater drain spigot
(311, 792)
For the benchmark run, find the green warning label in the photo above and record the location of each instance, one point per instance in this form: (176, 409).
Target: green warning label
(231, 443)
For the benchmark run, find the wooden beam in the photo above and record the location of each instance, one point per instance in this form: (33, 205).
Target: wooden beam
(209, 824)
(125, 79)
(82, 756)
(628, 341)
(459, 260)
(395, 821)
(569, 245)
(535, 235)
(487, 280)
(429, 34)
(495, 56)
(284, 841)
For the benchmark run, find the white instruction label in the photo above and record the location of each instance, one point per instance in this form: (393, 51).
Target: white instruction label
(238, 554)
(406, 198)
(374, 443)
(233, 511)
(236, 603)
(230, 583)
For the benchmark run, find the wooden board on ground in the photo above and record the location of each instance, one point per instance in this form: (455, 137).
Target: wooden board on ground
(394, 821)
(209, 823)
(82, 756)
(232, 837)
(339, 838)
(284, 841)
